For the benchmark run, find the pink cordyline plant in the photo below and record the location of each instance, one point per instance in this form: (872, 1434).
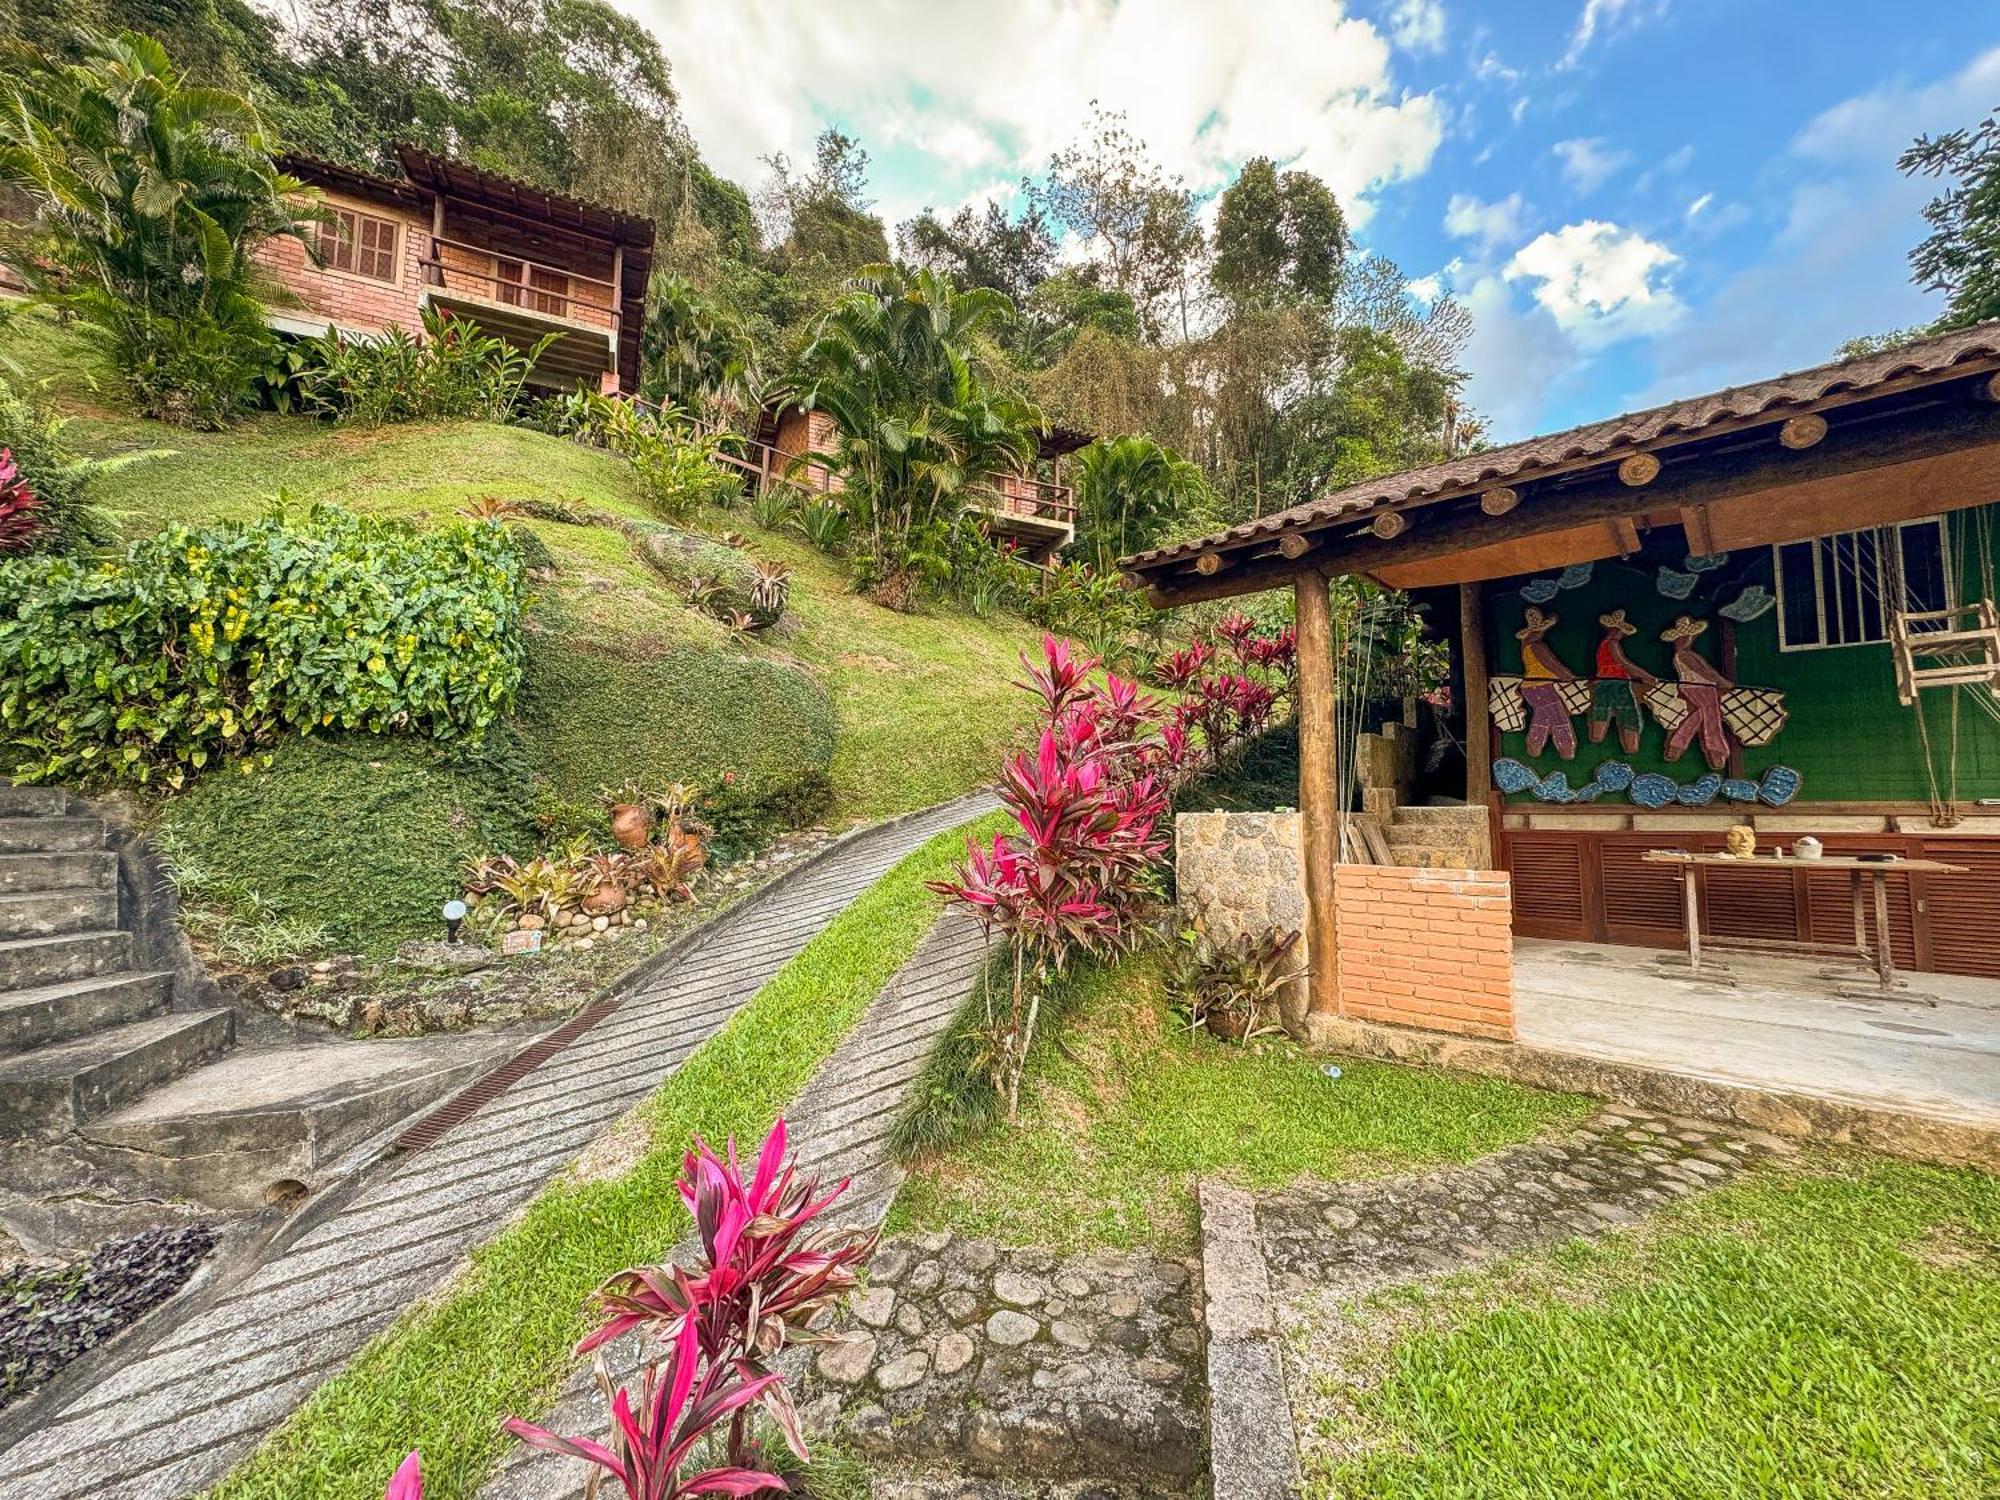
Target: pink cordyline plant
(767, 1264)
(408, 1481)
(20, 507)
(1073, 876)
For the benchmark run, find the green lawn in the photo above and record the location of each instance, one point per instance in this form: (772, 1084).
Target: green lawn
(1819, 1333)
(444, 1376)
(1127, 1111)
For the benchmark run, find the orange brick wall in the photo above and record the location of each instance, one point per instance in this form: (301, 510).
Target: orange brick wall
(1427, 948)
(359, 303)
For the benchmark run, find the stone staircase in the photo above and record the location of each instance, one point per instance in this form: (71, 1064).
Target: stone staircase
(126, 1098)
(1449, 838)
(83, 1030)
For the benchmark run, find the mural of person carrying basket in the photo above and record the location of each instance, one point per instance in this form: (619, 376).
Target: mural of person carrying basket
(1613, 698)
(1701, 688)
(1548, 688)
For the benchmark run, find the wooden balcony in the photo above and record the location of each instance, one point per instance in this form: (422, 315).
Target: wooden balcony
(523, 300)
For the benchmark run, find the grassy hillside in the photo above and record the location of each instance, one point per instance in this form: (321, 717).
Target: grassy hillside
(922, 703)
(844, 712)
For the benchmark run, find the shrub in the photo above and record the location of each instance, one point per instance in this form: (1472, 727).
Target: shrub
(59, 477)
(453, 370)
(365, 836)
(756, 735)
(197, 644)
(1222, 987)
(679, 475)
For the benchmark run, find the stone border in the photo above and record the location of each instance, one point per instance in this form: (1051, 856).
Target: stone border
(1781, 1112)
(1253, 1453)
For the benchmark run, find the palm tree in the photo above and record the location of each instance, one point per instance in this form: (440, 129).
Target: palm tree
(920, 425)
(1128, 491)
(149, 196)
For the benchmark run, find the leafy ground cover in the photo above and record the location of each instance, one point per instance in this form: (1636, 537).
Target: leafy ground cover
(1820, 1332)
(1125, 1110)
(497, 1343)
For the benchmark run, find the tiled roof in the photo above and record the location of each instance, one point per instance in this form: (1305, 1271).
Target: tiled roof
(1604, 440)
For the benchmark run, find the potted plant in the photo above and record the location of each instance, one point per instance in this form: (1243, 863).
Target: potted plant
(632, 809)
(1219, 987)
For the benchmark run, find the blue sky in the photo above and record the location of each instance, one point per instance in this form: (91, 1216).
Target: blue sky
(1639, 199)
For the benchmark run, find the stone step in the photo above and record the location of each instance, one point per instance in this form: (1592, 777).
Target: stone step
(27, 962)
(52, 1013)
(33, 801)
(49, 835)
(1405, 813)
(95, 868)
(61, 1087)
(28, 914)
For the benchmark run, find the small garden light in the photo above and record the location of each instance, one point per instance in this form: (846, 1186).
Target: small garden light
(454, 913)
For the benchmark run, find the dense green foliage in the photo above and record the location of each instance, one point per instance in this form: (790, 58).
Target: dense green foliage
(1961, 255)
(150, 194)
(58, 475)
(450, 370)
(204, 643)
(364, 835)
(1818, 1334)
(499, 1340)
(1129, 490)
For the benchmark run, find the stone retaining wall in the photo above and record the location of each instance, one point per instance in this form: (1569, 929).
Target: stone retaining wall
(1244, 872)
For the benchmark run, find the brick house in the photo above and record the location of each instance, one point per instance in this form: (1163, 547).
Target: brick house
(519, 261)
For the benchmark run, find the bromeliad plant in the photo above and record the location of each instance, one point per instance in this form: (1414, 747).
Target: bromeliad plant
(768, 1265)
(1223, 986)
(20, 508)
(1076, 875)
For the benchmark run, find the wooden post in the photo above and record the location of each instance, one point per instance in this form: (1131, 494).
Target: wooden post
(1478, 722)
(1319, 767)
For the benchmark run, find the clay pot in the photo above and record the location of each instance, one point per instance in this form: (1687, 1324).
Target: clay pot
(1227, 1025)
(605, 899)
(632, 824)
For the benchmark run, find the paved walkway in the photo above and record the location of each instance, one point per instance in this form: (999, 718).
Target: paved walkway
(840, 1128)
(196, 1403)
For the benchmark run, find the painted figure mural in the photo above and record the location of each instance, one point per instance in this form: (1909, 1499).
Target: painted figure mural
(1613, 697)
(1543, 679)
(1701, 687)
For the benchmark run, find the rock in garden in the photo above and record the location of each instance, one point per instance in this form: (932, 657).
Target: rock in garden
(889, 1264)
(846, 1360)
(1008, 1328)
(447, 958)
(901, 1374)
(873, 1306)
(598, 924)
(954, 1353)
(286, 979)
(1021, 1291)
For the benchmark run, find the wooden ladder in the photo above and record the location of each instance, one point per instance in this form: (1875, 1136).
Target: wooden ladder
(1974, 649)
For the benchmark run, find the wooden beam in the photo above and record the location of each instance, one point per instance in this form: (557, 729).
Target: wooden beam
(1210, 563)
(1700, 536)
(1319, 789)
(1294, 544)
(1624, 534)
(1802, 432)
(1390, 525)
(1929, 448)
(1497, 502)
(1478, 722)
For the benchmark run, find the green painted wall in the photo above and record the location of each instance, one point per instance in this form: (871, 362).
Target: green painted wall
(1847, 737)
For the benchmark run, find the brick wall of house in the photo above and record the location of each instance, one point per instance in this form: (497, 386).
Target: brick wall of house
(801, 431)
(359, 303)
(1427, 948)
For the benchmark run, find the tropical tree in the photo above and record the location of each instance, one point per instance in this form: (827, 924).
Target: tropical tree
(1129, 490)
(149, 196)
(697, 355)
(1961, 255)
(920, 425)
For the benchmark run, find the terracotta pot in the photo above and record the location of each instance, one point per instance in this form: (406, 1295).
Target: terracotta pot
(1227, 1025)
(632, 824)
(604, 900)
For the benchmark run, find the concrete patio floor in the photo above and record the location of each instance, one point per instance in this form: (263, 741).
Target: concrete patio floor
(1777, 1027)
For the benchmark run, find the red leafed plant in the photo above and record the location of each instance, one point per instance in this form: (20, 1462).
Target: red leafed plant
(408, 1481)
(766, 1267)
(20, 507)
(1074, 874)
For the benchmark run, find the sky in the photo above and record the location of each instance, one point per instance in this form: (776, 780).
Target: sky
(1639, 200)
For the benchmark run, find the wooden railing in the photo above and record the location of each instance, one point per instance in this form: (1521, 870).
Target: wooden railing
(1015, 494)
(515, 281)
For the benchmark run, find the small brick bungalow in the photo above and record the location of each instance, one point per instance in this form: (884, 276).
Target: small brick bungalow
(518, 260)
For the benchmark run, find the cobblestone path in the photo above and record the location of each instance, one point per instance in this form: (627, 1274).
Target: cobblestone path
(178, 1417)
(1610, 1171)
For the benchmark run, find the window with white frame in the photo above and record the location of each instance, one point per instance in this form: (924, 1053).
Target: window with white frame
(1841, 590)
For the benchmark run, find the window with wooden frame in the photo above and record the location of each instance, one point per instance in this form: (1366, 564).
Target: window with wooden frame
(1840, 590)
(361, 244)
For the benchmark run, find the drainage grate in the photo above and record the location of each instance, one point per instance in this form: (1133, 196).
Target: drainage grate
(463, 1105)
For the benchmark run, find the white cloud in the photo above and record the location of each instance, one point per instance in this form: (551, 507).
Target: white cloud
(1488, 224)
(1517, 357)
(1602, 18)
(977, 87)
(1589, 161)
(1600, 282)
(1417, 25)
(1699, 207)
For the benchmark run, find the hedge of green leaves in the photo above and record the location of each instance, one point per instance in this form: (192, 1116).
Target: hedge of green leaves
(200, 644)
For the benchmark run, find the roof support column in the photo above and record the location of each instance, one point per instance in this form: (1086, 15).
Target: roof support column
(1478, 725)
(1319, 791)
